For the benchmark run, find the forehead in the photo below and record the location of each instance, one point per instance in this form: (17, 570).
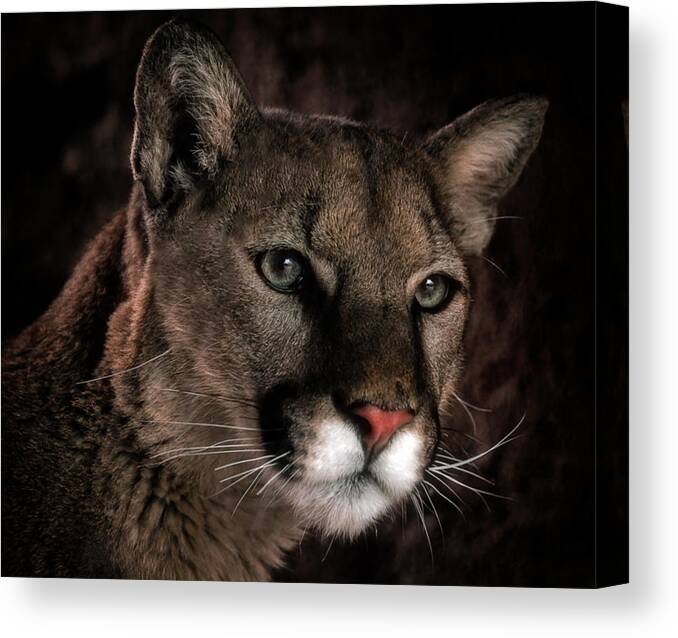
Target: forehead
(351, 194)
(373, 202)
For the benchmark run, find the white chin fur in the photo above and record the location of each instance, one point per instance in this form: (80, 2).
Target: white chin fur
(340, 508)
(333, 495)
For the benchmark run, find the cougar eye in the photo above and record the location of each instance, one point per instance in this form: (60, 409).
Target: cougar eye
(432, 293)
(283, 270)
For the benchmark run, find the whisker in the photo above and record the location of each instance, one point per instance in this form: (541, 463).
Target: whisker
(260, 458)
(276, 475)
(246, 492)
(329, 547)
(236, 400)
(445, 428)
(478, 493)
(473, 464)
(473, 407)
(199, 448)
(447, 487)
(118, 372)
(208, 453)
(489, 261)
(206, 425)
(492, 219)
(243, 475)
(435, 513)
(281, 487)
(468, 412)
(449, 500)
(223, 467)
(465, 471)
(507, 438)
(475, 490)
(420, 513)
(476, 475)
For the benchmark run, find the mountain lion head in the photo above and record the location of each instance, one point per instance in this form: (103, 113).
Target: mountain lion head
(308, 276)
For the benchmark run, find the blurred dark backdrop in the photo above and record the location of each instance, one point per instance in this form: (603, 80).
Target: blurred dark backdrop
(67, 82)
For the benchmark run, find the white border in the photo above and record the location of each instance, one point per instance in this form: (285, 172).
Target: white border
(646, 607)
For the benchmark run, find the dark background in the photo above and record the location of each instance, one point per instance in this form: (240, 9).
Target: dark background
(67, 114)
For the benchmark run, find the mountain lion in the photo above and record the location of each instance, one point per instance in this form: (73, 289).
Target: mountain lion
(260, 343)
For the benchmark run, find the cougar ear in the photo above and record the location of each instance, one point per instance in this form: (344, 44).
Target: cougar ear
(191, 106)
(479, 157)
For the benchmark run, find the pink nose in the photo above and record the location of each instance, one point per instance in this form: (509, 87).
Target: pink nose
(382, 423)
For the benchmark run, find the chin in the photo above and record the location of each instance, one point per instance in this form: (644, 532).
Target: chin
(341, 493)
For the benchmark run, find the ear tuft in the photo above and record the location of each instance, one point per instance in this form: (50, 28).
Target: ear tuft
(191, 104)
(479, 157)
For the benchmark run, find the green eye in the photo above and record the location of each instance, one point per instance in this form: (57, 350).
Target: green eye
(432, 293)
(283, 270)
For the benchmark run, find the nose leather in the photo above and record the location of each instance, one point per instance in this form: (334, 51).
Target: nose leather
(382, 423)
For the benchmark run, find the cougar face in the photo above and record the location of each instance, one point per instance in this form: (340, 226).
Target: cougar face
(310, 271)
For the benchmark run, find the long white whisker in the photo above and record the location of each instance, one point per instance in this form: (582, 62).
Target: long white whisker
(329, 547)
(267, 456)
(480, 477)
(243, 475)
(435, 513)
(118, 372)
(420, 513)
(207, 425)
(475, 490)
(443, 446)
(492, 219)
(447, 486)
(468, 412)
(503, 441)
(201, 448)
(209, 453)
(281, 487)
(451, 480)
(489, 261)
(449, 500)
(275, 476)
(246, 492)
(258, 458)
(243, 402)
(473, 407)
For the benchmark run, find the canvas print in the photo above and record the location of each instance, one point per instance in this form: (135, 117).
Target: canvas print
(318, 295)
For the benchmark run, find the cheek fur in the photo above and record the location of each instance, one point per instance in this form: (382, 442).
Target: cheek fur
(442, 345)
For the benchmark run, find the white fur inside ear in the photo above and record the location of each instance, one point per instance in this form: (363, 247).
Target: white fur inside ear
(475, 169)
(485, 157)
(213, 98)
(479, 157)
